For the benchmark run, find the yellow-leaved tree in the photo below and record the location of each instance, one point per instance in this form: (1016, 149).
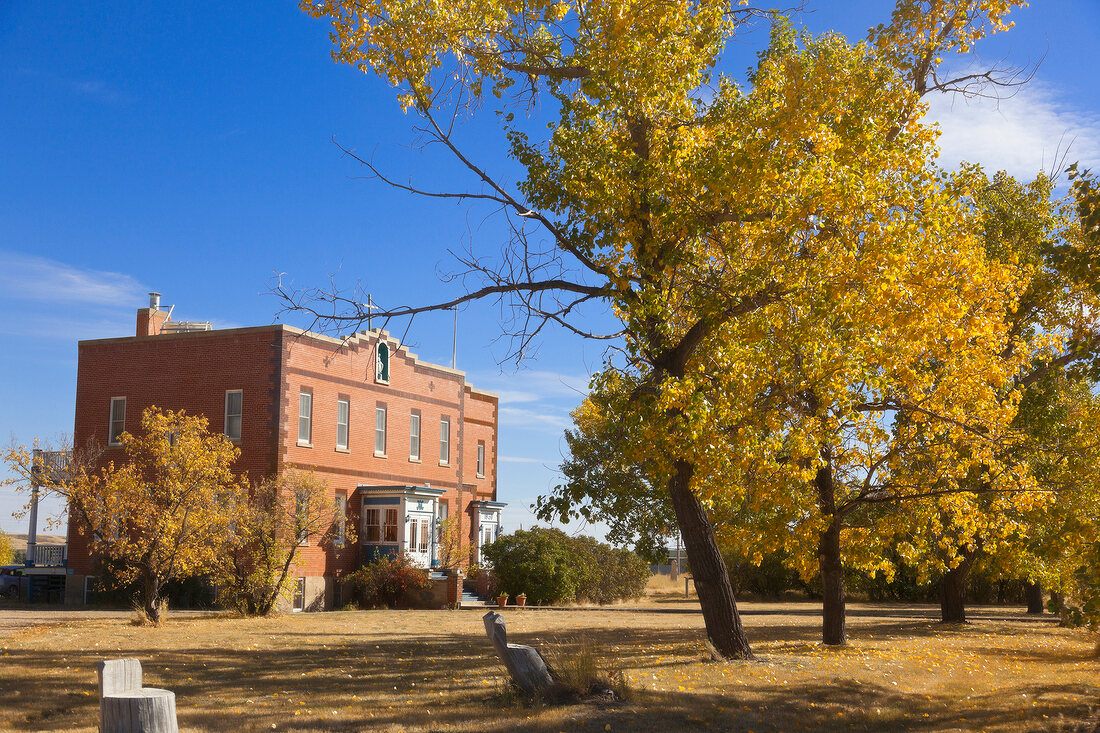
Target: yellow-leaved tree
(7, 555)
(164, 511)
(793, 216)
(284, 514)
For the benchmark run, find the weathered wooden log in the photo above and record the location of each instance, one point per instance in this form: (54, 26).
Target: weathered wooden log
(127, 707)
(526, 666)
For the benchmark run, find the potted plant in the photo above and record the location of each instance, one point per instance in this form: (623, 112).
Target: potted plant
(502, 599)
(521, 599)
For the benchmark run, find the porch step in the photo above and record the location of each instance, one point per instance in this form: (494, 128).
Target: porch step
(472, 600)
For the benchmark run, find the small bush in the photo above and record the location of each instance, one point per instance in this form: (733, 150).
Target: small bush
(388, 582)
(552, 567)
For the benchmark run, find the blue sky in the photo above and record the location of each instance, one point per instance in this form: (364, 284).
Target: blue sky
(187, 148)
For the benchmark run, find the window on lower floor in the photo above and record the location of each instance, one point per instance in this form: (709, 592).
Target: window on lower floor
(425, 535)
(389, 529)
(340, 510)
(372, 525)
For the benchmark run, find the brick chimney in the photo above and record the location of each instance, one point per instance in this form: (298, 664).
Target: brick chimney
(150, 320)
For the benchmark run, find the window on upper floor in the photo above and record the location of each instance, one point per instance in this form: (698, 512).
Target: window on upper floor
(117, 424)
(380, 430)
(481, 459)
(343, 412)
(444, 440)
(305, 418)
(382, 363)
(414, 436)
(234, 405)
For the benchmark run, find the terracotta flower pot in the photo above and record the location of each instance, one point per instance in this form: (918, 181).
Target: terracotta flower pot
(502, 601)
(521, 600)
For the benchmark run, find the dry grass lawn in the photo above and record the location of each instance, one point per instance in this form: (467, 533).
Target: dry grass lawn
(434, 670)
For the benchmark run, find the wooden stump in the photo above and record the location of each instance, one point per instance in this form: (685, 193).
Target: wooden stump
(127, 707)
(526, 666)
(145, 710)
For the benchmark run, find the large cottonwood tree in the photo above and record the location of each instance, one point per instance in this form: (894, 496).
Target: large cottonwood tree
(700, 208)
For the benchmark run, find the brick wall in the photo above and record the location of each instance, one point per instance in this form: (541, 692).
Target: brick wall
(272, 365)
(331, 370)
(189, 371)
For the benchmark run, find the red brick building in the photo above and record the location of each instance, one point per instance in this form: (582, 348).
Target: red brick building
(402, 444)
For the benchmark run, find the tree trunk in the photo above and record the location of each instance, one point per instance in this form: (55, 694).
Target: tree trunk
(712, 581)
(953, 590)
(1034, 592)
(833, 630)
(153, 601)
(1058, 605)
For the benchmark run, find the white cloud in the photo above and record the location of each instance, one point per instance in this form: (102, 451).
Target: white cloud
(65, 327)
(37, 278)
(518, 459)
(536, 400)
(534, 386)
(525, 418)
(1024, 134)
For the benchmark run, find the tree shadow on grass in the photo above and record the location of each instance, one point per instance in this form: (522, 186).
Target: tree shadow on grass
(367, 679)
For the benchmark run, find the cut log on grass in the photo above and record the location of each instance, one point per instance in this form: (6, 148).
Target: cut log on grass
(127, 707)
(526, 666)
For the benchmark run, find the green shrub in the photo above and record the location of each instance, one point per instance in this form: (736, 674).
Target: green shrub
(388, 582)
(535, 562)
(552, 567)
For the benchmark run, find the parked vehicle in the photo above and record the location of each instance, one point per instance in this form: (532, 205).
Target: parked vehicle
(12, 581)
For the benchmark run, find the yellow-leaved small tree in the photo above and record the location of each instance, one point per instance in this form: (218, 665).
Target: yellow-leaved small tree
(286, 513)
(7, 555)
(163, 513)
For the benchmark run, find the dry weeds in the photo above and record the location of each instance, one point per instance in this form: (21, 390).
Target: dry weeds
(434, 671)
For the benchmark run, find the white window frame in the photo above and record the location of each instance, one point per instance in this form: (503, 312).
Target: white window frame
(414, 436)
(301, 508)
(382, 363)
(299, 600)
(305, 400)
(389, 532)
(112, 436)
(372, 518)
(343, 404)
(444, 441)
(340, 507)
(481, 459)
(239, 414)
(380, 431)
